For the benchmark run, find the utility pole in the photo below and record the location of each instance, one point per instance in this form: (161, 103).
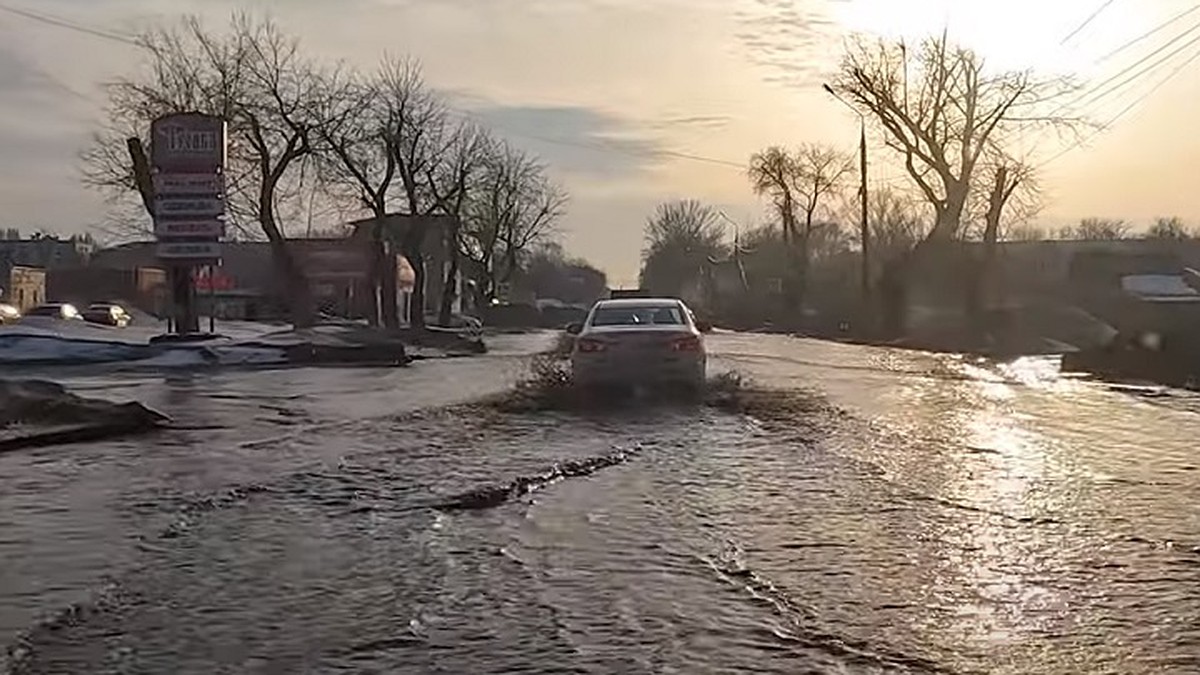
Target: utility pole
(865, 226)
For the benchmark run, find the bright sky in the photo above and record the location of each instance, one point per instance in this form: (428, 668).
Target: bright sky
(610, 92)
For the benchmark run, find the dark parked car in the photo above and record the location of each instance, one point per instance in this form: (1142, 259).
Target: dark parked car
(108, 314)
(56, 310)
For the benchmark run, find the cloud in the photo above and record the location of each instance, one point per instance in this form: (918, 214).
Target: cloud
(789, 37)
(575, 140)
(693, 122)
(39, 128)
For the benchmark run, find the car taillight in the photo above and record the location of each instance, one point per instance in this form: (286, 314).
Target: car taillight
(690, 343)
(590, 346)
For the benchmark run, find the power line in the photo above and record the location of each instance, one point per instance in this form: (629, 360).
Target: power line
(1124, 111)
(1150, 33)
(604, 147)
(125, 39)
(1100, 92)
(69, 25)
(1170, 76)
(1088, 21)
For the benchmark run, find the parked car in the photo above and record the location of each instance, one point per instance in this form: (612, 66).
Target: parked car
(108, 314)
(56, 310)
(639, 341)
(9, 314)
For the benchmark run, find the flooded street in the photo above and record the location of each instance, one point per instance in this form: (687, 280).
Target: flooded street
(917, 514)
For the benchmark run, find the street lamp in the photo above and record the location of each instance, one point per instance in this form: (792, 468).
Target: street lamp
(862, 158)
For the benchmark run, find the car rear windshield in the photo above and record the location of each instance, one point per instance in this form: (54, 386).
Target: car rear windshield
(636, 316)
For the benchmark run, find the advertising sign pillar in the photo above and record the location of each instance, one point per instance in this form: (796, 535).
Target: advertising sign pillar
(188, 156)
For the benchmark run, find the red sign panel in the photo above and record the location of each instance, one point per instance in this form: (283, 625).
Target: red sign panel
(217, 282)
(168, 229)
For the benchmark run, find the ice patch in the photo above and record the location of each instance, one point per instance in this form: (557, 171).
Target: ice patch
(62, 343)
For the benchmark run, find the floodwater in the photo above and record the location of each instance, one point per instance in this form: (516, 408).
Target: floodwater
(918, 514)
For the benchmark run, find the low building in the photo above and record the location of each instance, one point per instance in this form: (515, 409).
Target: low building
(1035, 266)
(47, 252)
(22, 287)
(247, 285)
(144, 288)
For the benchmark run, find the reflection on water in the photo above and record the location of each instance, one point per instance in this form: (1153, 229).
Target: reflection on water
(967, 518)
(1066, 533)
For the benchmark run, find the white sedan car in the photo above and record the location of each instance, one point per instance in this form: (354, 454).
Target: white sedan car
(639, 341)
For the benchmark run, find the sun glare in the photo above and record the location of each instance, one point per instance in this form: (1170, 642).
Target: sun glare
(1011, 34)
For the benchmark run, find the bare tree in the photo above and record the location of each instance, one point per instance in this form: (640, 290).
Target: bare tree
(253, 76)
(800, 183)
(896, 224)
(682, 238)
(398, 150)
(1091, 229)
(463, 161)
(1008, 194)
(512, 206)
(1026, 232)
(942, 110)
(772, 174)
(1171, 228)
(819, 173)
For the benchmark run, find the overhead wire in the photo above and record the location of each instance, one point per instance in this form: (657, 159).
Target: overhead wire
(1104, 90)
(60, 22)
(1124, 111)
(601, 146)
(1150, 33)
(107, 34)
(1088, 21)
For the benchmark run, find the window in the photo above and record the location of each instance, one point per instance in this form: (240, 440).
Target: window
(635, 316)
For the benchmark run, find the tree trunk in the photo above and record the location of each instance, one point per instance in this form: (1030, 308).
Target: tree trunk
(413, 249)
(449, 289)
(949, 216)
(894, 299)
(416, 307)
(983, 278)
(802, 270)
(373, 298)
(184, 318)
(388, 290)
(184, 299)
(295, 284)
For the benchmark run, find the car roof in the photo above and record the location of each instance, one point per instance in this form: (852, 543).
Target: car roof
(641, 302)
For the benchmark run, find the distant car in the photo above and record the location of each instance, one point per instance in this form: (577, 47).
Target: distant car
(56, 310)
(108, 314)
(639, 341)
(9, 314)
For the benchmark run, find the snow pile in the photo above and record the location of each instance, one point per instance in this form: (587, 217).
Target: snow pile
(1158, 286)
(52, 342)
(63, 343)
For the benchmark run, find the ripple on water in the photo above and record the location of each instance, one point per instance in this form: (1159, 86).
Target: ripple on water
(791, 540)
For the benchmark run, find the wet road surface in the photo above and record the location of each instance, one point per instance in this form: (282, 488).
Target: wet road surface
(926, 514)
